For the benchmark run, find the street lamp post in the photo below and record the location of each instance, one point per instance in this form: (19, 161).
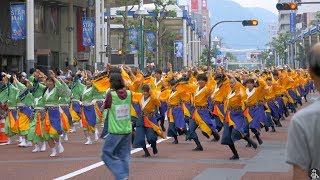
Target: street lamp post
(141, 12)
(209, 47)
(244, 23)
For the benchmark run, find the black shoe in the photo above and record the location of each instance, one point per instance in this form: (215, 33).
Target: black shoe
(154, 149)
(213, 140)
(286, 114)
(254, 145)
(146, 155)
(216, 136)
(266, 128)
(259, 140)
(175, 141)
(163, 128)
(234, 157)
(198, 149)
(273, 129)
(251, 143)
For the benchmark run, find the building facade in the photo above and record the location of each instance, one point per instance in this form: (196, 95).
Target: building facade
(54, 32)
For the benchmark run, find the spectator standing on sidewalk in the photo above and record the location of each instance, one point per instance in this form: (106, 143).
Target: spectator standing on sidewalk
(303, 147)
(117, 128)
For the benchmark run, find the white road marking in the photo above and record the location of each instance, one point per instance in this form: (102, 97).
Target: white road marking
(98, 164)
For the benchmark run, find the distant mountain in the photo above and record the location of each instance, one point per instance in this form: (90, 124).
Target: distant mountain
(234, 35)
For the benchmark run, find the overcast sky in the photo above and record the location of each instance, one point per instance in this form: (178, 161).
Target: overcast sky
(267, 4)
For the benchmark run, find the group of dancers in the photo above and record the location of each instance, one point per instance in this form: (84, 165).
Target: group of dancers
(44, 108)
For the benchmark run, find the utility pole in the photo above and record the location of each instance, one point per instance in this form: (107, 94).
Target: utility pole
(108, 31)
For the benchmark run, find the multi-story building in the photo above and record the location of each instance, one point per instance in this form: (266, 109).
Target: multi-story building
(54, 32)
(283, 20)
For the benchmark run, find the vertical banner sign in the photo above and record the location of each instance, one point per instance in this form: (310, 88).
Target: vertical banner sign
(151, 41)
(204, 26)
(18, 21)
(178, 49)
(204, 4)
(194, 6)
(133, 40)
(88, 32)
(292, 22)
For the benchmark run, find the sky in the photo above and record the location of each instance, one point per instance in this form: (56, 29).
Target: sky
(266, 4)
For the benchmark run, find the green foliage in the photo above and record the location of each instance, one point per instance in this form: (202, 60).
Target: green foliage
(317, 16)
(204, 55)
(267, 58)
(231, 56)
(279, 43)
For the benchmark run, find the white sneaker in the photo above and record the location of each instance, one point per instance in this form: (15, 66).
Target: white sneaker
(88, 141)
(73, 129)
(28, 144)
(96, 135)
(60, 148)
(66, 137)
(23, 143)
(54, 152)
(36, 148)
(20, 139)
(102, 125)
(43, 147)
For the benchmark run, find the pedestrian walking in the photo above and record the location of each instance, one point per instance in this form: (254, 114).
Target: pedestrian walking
(117, 128)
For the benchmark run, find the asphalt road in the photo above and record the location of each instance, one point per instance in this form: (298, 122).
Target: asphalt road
(174, 161)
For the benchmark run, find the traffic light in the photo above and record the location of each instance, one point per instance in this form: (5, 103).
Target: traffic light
(286, 6)
(250, 22)
(119, 52)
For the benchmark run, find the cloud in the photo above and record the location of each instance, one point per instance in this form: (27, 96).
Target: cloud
(266, 4)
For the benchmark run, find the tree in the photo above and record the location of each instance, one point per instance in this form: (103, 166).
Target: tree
(161, 13)
(203, 57)
(231, 56)
(266, 58)
(279, 43)
(125, 22)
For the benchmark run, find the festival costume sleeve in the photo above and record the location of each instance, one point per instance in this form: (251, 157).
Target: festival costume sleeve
(13, 95)
(126, 77)
(135, 86)
(39, 89)
(66, 90)
(101, 82)
(3, 93)
(78, 89)
(222, 93)
(164, 95)
(20, 86)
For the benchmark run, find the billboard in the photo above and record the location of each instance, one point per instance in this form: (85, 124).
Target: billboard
(194, 5)
(204, 4)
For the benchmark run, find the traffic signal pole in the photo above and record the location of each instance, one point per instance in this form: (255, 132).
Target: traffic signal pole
(209, 47)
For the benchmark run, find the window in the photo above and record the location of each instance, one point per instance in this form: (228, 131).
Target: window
(39, 18)
(54, 20)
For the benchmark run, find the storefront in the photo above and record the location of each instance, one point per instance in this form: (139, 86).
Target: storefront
(11, 51)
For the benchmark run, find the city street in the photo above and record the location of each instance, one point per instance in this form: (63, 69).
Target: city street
(81, 161)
